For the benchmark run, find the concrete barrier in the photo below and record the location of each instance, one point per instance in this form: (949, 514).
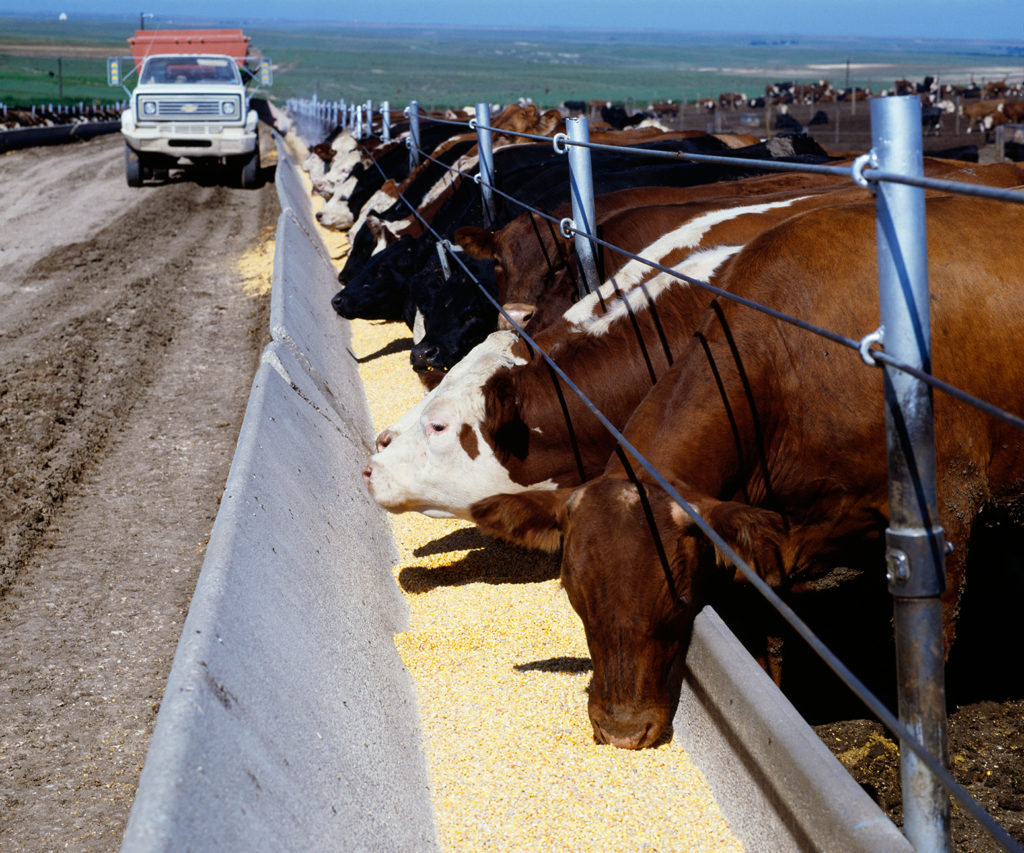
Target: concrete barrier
(772, 777)
(288, 721)
(58, 134)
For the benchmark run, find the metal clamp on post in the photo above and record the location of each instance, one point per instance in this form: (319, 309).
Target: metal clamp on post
(558, 143)
(875, 337)
(858, 167)
(567, 227)
(915, 562)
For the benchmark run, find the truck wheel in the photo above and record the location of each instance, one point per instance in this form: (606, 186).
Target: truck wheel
(249, 178)
(132, 167)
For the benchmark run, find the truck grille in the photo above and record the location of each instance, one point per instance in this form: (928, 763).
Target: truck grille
(202, 108)
(189, 109)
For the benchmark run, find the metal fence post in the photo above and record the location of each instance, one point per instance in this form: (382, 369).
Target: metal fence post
(581, 189)
(915, 544)
(414, 134)
(486, 149)
(385, 121)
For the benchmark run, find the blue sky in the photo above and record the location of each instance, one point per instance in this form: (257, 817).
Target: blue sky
(999, 20)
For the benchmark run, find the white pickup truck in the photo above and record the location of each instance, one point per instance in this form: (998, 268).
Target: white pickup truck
(191, 107)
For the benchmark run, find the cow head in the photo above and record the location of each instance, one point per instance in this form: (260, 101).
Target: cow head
(380, 290)
(453, 314)
(636, 599)
(436, 459)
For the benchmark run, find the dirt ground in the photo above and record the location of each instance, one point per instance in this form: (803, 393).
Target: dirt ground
(132, 327)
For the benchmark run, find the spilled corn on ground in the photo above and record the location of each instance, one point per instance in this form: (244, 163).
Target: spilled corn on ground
(501, 669)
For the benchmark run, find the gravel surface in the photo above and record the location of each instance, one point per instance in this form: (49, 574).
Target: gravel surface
(132, 326)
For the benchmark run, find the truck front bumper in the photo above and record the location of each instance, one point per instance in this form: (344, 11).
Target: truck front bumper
(190, 139)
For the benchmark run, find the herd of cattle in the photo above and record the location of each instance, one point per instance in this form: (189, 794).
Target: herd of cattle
(14, 117)
(773, 435)
(983, 107)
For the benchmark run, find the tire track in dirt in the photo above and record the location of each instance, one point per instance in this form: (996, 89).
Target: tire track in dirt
(129, 350)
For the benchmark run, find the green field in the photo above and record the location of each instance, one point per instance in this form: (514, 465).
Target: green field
(451, 67)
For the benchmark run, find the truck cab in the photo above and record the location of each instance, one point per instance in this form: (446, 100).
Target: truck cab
(191, 105)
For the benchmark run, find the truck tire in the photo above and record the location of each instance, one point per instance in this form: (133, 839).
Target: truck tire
(250, 175)
(132, 167)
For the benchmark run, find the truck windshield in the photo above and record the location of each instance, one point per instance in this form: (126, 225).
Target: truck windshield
(190, 69)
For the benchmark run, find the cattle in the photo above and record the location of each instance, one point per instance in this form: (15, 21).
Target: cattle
(1014, 112)
(530, 255)
(430, 358)
(776, 439)
(786, 123)
(980, 114)
(535, 265)
(519, 405)
(664, 109)
(495, 421)
(617, 117)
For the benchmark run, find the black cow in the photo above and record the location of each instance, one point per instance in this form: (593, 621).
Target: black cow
(402, 279)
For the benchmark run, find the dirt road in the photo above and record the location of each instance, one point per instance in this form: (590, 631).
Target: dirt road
(132, 325)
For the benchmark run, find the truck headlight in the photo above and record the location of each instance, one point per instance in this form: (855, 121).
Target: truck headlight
(149, 108)
(228, 108)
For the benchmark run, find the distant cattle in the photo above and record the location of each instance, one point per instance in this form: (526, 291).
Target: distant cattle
(664, 109)
(732, 100)
(1014, 112)
(981, 115)
(618, 118)
(777, 440)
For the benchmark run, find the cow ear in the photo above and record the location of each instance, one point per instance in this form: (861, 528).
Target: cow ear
(756, 534)
(502, 418)
(475, 242)
(533, 519)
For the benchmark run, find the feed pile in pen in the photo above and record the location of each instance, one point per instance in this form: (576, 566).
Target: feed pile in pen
(501, 669)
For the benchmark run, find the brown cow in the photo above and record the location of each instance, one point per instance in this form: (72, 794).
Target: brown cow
(535, 267)
(776, 438)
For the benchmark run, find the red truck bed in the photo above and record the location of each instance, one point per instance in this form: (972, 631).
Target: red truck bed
(147, 42)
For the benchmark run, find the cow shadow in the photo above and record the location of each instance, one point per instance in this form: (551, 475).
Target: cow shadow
(487, 561)
(561, 664)
(396, 346)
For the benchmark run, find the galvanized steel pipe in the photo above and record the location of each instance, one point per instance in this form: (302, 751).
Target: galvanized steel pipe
(915, 544)
(581, 189)
(485, 146)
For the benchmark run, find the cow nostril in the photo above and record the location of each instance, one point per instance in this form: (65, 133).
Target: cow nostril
(384, 439)
(424, 357)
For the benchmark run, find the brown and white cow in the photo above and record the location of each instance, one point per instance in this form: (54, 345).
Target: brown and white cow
(497, 422)
(776, 438)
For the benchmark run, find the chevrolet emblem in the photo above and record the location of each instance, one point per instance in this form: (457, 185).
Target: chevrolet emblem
(188, 108)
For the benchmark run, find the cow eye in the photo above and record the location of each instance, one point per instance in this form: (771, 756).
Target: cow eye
(437, 427)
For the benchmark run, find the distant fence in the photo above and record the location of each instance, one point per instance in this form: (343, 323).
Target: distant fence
(46, 124)
(914, 550)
